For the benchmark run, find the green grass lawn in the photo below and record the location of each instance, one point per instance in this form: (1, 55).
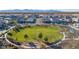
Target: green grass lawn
(51, 32)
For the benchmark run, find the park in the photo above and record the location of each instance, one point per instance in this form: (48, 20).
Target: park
(31, 33)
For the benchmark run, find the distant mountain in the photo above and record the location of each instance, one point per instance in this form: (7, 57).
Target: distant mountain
(29, 10)
(32, 10)
(69, 10)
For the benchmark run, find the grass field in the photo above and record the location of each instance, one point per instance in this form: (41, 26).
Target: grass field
(52, 33)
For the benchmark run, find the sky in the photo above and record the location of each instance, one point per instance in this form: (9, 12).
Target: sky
(39, 4)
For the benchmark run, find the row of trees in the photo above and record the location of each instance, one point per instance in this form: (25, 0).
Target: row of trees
(40, 36)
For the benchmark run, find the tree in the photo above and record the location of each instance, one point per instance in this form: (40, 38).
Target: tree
(25, 36)
(16, 29)
(40, 35)
(10, 34)
(46, 38)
